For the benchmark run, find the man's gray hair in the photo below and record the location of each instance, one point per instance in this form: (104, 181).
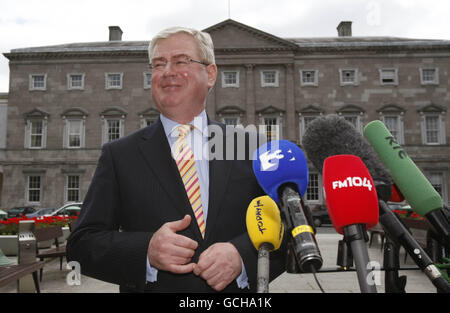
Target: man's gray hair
(203, 39)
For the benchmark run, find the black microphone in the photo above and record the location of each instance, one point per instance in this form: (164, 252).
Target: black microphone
(333, 135)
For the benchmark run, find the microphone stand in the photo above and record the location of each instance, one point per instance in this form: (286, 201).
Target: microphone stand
(354, 234)
(391, 264)
(263, 268)
(397, 230)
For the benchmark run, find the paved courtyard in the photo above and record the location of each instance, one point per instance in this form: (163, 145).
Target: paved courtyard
(54, 280)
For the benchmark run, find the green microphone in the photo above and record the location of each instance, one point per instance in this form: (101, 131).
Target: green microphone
(413, 184)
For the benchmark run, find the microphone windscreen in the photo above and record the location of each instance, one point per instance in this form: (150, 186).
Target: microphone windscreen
(350, 194)
(264, 222)
(414, 186)
(396, 194)
(279, 162)
(333, 135)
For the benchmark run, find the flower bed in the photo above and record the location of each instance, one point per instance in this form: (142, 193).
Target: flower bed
(11, 225)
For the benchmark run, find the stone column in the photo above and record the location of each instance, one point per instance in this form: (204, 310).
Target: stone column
(211, 106)
(290, 103)
(250, 94)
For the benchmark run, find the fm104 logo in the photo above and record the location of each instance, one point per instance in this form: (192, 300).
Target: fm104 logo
(352, 182)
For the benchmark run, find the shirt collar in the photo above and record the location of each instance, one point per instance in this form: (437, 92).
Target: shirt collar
(200, 123)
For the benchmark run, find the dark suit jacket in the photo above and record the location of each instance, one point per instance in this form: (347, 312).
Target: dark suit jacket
(135, 190)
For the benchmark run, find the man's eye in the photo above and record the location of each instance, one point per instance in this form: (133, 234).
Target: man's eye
(182, 62)
(159, 65)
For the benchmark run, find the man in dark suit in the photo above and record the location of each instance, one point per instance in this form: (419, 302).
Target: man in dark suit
(142, 226)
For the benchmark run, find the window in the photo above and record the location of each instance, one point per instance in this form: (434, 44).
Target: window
(429, 76)
(113, 122)
(437, 181)
(147, 121)
(72, 190)
(348, 77)
(352, 119)
(313, 191)
(33, 192)
(113, 80)
(75, 81)
(394, 124)
(272, 128)
(74, 133)
(230, 79)
(233, 121)
(432, 129)
(355, 120)
(269, 78)
(388, 76)
(309, 78)
(305, 121)
(36, 134)
(113, 129)
(147, 80)
(38, 82)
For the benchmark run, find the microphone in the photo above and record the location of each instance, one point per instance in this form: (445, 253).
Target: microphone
(281, 170)
(352, 203)
(332, 135)
(396, 194)
(415, 187)
(266, 233)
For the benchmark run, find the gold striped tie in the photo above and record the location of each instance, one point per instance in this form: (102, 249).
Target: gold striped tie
(188, 172)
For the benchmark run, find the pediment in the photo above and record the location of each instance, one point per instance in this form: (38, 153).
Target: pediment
(230, 110)
(114, 112)
(350, 108)
(270, 110)
(78, 112)
(149, 112)
(432, 108)
(232, 35)
(36, 113)
(391, 108)
(311, 109)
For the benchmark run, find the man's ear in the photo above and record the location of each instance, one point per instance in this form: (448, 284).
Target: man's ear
(212, 75)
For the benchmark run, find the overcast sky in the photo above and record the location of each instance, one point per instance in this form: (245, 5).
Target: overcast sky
(30, 23)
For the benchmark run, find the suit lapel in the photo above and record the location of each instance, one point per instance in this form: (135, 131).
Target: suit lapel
(219, 171)
(156, 151)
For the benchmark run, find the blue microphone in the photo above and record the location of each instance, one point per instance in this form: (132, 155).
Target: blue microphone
(282, 172)
(278, 162)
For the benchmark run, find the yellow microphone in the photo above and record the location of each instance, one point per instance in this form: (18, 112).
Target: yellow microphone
(265, 230)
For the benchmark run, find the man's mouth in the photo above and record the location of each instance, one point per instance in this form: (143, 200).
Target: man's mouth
(170, 86)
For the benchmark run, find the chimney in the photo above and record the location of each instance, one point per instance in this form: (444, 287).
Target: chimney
(115, 33)
(344, 29)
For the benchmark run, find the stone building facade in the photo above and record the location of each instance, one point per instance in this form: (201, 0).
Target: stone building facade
(65, 101)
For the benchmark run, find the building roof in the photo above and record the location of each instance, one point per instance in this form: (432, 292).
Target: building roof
(368, 42)
(88, 47)
(309, 44)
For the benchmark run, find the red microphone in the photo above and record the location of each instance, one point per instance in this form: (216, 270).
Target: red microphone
(352, 203)
(396, 194)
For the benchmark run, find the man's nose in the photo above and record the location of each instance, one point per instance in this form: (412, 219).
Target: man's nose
(169, 69)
